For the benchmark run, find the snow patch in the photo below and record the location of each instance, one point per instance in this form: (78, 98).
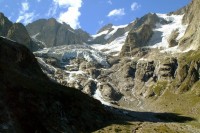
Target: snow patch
(99, 34)
(45, 66)
(70, 30)
(34, 36)
(72, 75)
(97, 95)
(115, 28)
(162, 32)
(7, 38)
(114, 46)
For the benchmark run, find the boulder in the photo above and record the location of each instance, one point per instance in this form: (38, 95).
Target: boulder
(109, 93)
(90, 87)
(172, 38)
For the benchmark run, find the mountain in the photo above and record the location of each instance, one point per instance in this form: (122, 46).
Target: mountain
(5, 25)
(53, 33)
(17, 32)
(146, 72)
(30, 102)
(153, 64)
(191, 38)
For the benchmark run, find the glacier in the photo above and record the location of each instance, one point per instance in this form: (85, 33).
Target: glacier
(67, 52)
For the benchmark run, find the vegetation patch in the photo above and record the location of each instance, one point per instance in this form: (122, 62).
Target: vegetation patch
(159, 87)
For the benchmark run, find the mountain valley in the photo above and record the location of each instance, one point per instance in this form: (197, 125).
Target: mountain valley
(142, 77)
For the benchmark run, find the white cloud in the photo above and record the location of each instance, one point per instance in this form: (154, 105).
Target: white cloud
(68, 3)
(52, 10)
(25, 6)
(135, 6)
(25, 16)
(116, 12)
(71, 16)
(38, 0)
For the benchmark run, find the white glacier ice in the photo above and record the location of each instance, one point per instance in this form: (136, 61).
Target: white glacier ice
(99, 34)
(115, 28)
(163, 31)
(114, 46)
(66, 52)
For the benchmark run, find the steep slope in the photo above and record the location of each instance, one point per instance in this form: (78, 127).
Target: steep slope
(5, 25)
(191, 38)
(17, 32)
(53, 33)
(110, 38)
(152, 31)
(31, 103)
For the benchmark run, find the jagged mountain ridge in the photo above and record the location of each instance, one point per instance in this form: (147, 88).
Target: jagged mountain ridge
(17, 32)
(108, 35)
(53, 33)
(150, 56)
(150, 78)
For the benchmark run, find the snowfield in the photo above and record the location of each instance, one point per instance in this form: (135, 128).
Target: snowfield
(97, 95)
(115, 28)
(99, 34)
(66, 52)
(163, 32)
(114, 46)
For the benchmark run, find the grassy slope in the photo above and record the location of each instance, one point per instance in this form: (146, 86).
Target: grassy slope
(185, 103)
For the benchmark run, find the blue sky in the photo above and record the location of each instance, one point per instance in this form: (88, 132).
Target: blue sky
(90, 15)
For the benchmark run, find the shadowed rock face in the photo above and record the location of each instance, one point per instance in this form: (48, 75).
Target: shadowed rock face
(30, 102)
(53, 33)
(5, 25)
(16, 32)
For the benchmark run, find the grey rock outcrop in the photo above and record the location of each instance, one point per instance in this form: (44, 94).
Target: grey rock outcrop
(16, 32)
(191, 17)
(167, 68)
(140, 33)
(109, 93)
(53, 33)
(136, 39)
(19, 33)
(172, 38)
(90, 87)
(5, 25)
(106, 27)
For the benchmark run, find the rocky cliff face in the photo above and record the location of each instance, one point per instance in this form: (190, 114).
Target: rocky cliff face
(191, 38)
(140, 34)
(145, 67)
(16, 32)
(5, 25)
(53, 33)
(31, 103)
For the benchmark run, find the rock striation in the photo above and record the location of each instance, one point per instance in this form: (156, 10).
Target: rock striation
(16, 32)
(53, 33)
